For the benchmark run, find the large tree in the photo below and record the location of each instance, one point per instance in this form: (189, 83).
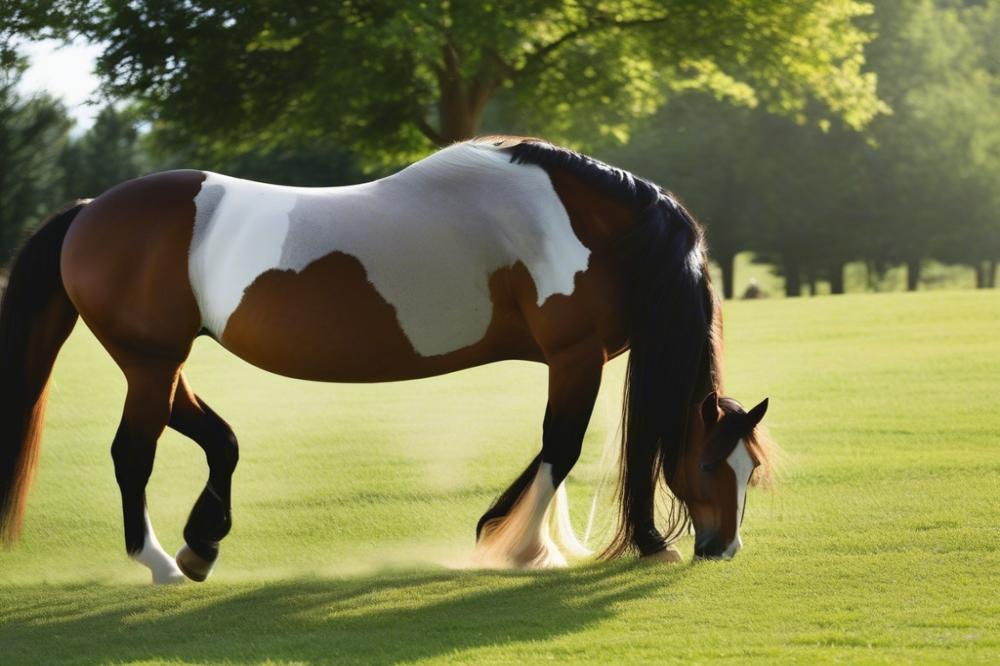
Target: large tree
(794, 193)
(393, 78)
(939, 152)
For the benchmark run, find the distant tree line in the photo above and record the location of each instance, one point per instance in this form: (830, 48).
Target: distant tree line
(811, 133)
(919, 183)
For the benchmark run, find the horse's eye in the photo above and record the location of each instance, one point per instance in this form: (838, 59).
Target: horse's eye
(709, 467)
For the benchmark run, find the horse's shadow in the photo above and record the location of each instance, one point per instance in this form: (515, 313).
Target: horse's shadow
(381, 619)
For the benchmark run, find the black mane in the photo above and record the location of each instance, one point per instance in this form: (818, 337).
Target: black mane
(674, 336)
(617, 183)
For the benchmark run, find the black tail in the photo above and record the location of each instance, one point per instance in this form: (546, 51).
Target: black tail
(673, 363)
(36, 317)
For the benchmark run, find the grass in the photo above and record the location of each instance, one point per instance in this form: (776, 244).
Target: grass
(881, 543)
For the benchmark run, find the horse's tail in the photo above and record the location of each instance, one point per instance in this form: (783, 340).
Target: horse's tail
(674, 336)
(36, 317)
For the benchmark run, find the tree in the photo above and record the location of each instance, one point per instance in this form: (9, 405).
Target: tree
(33, 131)
(318, 163)
(791, 192)
(919, 183)
(107, 154)
(390, 79)
(709, 154)
(940, 149)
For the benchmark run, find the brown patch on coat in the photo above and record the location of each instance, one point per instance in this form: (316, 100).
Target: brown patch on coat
(329, 323)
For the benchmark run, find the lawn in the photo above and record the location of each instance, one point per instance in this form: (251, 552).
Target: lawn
(354, 509)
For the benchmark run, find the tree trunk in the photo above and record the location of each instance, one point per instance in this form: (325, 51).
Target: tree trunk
(461, 102)
(458, 122)
(837, 279)
(980, 275)
(991, 274)
(793, 279)
(727, 264)
(912, 274)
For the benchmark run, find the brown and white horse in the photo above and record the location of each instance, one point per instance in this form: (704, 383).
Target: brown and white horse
(492, 249)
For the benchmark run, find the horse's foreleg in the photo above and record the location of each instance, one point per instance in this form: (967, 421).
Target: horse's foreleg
(147, 408)
(574, 381)
(211, 517)
(525, 527)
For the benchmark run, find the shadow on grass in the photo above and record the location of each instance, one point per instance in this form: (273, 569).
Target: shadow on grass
(381, 619)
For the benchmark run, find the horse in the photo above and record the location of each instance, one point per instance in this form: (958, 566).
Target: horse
(491, 249)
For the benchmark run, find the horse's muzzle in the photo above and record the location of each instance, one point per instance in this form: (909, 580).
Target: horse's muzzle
(710, 547)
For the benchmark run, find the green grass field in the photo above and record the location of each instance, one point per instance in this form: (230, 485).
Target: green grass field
(354, 504)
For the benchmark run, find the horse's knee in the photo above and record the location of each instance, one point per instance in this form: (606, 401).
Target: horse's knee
(561, 448)
(227, 454)
(222, 449)
(133, 460)
(562, 460)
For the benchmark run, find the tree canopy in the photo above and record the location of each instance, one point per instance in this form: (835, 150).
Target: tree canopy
(33, 132)
(918, 183)
(391, 79)
(811, 133)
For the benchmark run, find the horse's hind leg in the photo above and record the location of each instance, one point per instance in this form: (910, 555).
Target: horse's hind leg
(147, 407)
(525, 527)
(211, 517)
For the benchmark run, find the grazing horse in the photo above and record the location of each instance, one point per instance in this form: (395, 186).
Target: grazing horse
(492, 249)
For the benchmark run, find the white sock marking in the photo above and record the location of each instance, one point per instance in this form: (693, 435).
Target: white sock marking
(153, 556)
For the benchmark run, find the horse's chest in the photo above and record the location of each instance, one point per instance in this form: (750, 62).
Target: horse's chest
(430, 258)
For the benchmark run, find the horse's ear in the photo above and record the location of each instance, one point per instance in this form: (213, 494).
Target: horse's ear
(755, 415)
(710, 409)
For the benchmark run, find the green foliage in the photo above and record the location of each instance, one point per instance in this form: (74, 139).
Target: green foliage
(920, 182)
(108, 154)
(388, 79)
(319, 163)
(33, 132)
(763, 116)
(879, 544)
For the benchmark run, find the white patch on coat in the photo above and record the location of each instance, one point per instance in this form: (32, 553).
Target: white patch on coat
(428, 237)
(152, 555)
(535, 534)
(742, 465)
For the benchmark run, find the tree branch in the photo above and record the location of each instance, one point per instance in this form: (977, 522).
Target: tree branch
(538, 56)
(428, 131)
(505, 69)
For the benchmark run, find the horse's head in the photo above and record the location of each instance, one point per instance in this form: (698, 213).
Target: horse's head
(724, 453)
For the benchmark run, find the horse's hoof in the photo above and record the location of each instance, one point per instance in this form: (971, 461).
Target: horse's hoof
(193, 565)
(669, 554)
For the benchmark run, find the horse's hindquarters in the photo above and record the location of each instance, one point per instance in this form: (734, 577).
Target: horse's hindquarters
(124, 265)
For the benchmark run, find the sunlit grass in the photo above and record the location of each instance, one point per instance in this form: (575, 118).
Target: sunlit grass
(352, 504)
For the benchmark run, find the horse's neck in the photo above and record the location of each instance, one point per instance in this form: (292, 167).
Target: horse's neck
(597, 218)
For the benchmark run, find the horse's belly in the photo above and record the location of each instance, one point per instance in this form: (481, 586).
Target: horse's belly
(329, 323)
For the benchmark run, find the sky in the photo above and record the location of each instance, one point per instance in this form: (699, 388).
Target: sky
(67, 73)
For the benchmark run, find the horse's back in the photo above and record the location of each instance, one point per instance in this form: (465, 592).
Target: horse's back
(410, 275)
(398, 274)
